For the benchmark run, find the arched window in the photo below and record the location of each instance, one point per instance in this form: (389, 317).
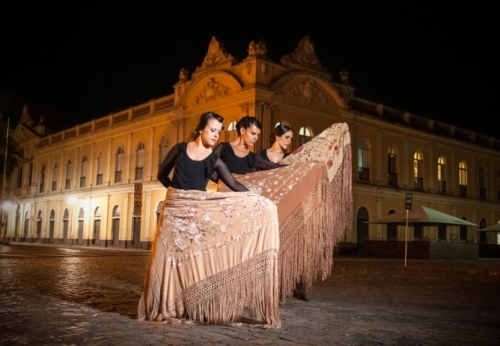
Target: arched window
(231, 133)
(115, 225)
(162, 150)
(42, 179)
(158, 211)
(96, 234)
(364, 159)
(418, 171)
(100, 168)
(54, 177)
(482, 182)
(83, 171)
(69, 166)
(20, 176)
(139, 161)
(118, 164)
(462, 178)
(392, 172)
(441, 174)
(305, 135)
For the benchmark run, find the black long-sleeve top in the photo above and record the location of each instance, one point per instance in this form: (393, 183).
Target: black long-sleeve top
(190, 174)
(242, 165)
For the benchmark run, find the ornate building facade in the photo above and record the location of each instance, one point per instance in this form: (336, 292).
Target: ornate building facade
(95, 184)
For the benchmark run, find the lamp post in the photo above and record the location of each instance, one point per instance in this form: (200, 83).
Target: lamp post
(71, 200)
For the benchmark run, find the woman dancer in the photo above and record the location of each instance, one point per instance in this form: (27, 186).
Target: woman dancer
(238, 158)
(281, 138)
(313, 194)
(214, 254)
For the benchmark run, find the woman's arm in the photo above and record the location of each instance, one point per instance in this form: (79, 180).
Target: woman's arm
(227, 177)
(167, 165)
(264, 164)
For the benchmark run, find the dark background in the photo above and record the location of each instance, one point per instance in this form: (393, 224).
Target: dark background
(73, 62)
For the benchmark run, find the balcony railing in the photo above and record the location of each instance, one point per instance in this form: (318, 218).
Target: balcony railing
(463, 190)
(419, 184)
(118, 176)
(442, 186)
(392, 179)
(82, 181)
(98, 179)
(364, 174)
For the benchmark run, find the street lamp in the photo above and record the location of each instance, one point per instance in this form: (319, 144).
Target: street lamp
(71, 200)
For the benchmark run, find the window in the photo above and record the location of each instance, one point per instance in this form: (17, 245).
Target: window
(68, 174)
(305, 135)
(363, 160)
(392, 175)
(54, 177)
(19, 177)
(482, 182)
(162, 150)
(418, 171)
(462, 178)
(139, 161)
(83, 171)
(100, 164)
(42, 179)
(118, 164)
(231, 133)
(441, 174)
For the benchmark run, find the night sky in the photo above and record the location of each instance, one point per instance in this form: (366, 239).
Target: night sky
(76, 62)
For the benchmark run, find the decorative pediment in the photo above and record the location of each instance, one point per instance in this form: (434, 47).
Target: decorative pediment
(212, 91)
(216, 54)
(305, 55)
(308, 91)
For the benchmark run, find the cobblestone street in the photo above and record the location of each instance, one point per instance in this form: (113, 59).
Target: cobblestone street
(52, 295)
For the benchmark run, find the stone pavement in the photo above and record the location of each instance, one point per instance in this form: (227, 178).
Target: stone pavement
(84, 296)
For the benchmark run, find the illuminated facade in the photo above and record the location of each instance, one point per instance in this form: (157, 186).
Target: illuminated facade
(109, 165)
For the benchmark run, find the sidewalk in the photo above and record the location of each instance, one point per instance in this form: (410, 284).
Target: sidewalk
(52, 296)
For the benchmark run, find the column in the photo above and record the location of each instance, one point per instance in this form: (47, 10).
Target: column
(378, 159)
(406, 160)
(148, 213)
(150, 151)
(108, 163)
(431, 164)
(127, 156)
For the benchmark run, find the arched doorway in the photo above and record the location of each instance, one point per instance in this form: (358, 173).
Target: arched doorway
(482, 235)
(81, 215)
(65, 226)
(158, 212)
(115, 226)
(392, 228)
(26, 225)
(361, 228)
(97, 226)
(39, 225)
(51, 226)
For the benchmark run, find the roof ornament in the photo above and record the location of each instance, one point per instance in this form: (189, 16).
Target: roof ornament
(216, 54)
(305, 55)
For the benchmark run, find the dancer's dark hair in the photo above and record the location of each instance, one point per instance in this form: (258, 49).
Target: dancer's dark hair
(246, 122)
(204, 118)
